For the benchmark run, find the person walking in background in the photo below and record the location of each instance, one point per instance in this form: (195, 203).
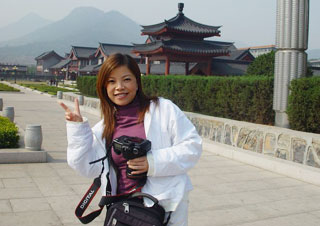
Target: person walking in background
(126, 110)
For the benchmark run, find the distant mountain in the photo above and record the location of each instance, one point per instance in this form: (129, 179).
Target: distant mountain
(84, 26)
(313, 54)
(25, 25)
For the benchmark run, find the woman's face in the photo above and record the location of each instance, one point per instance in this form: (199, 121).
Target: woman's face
(121, 86)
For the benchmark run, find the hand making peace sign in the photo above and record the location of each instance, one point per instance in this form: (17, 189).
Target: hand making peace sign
(74, 116)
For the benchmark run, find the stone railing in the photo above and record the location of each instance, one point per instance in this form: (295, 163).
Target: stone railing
(273, 141)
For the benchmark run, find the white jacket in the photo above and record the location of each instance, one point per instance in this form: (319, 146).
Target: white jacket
(175, 148)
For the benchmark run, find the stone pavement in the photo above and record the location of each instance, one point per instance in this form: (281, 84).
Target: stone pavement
(225, 192)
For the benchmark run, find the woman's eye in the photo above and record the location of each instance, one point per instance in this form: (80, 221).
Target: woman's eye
(110, 81)
(127, 79)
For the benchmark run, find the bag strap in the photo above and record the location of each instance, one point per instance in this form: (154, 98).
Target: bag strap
(85, 202)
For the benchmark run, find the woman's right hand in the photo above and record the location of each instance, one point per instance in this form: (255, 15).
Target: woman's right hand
(74, 116)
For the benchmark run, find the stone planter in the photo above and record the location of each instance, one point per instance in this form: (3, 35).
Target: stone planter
(33, 137)
(9, 113)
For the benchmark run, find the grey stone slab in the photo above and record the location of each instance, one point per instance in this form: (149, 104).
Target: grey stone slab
(5, 206)
(12, 173)
(31, 204)
(248, 176)
(253, 185)
(11, 166)
(40, 170)
(23, 182)
(316, 213)
(18, 193)
(80, 189)
(77, 179)
(59, 165)
(64, 207)
(220, 217)
(67, 172)
(295, 206)
(291, 220)
(285, 193)
(1, 183)
(43, 218)
(221, 163)
(225, 201)
(53, 186)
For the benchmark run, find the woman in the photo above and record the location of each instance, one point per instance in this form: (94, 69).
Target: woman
(176, 146)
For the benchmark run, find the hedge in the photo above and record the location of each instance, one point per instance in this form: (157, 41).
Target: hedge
(246, 98)
(304, 105)
(4, 87)
(87, 85)
(9, 137)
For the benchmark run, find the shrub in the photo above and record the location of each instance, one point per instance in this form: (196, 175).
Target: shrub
(304, 104)
(262, 65)
(9, 137)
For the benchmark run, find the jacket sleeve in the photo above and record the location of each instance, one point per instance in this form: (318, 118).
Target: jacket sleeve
(83, 147)
(185, 145)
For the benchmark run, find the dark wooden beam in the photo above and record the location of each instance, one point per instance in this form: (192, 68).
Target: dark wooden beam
(167, 66)
(187, 68)
(148, 66)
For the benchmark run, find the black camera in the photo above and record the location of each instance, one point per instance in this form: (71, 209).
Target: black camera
(131, 148)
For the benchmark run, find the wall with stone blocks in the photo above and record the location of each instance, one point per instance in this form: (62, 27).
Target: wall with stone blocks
(278, 142)
(273, 141)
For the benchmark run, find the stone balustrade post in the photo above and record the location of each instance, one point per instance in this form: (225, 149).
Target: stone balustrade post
(33, 137)
(9, 113)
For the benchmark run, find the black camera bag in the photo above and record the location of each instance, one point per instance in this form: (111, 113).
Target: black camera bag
(132, 212)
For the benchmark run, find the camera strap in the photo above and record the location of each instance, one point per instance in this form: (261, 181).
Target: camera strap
(105, 200)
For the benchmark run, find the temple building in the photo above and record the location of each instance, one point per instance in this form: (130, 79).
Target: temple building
(181, 39)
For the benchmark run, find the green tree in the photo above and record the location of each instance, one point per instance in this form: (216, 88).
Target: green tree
(262, 65)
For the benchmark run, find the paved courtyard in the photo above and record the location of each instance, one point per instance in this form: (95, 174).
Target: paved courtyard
(225, 192)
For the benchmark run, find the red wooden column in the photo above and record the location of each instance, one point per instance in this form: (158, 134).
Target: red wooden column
(209, 67)
(147, 66)
(167, 66)
(187, 68)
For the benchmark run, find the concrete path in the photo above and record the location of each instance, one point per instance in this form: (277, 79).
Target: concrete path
(225, 192)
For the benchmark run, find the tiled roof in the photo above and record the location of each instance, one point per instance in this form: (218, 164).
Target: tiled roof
(83, 52)
(236, 55)
(181, 23)
(259, 47)
(191, 47)
(109, 49)
(47, 54)
(63, 63)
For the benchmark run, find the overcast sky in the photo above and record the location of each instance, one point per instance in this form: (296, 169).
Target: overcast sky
(245, 22)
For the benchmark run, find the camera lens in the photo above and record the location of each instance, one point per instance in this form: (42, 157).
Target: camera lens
(135, 151)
